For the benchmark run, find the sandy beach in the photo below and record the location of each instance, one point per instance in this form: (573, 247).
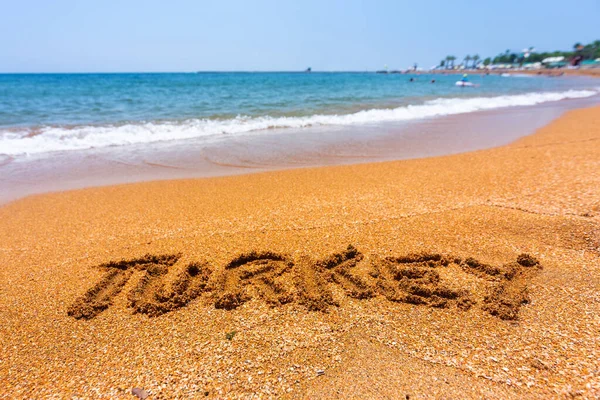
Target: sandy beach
(591, 72)
(474, 275)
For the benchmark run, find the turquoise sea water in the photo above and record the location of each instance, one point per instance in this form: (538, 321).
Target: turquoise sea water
(58, 112)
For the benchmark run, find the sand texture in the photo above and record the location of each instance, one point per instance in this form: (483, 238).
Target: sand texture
(468, 276)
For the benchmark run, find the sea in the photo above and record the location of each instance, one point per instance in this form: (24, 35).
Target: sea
(64, 131)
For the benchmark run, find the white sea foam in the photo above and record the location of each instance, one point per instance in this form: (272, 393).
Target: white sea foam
(49, 139)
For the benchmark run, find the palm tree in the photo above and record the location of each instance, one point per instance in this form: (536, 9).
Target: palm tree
(576, 46)
(466, 60)
(449, 61)
(476, 58)
(452, 58)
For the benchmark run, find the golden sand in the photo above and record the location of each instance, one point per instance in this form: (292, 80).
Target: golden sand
(403, 279)
(592, 72)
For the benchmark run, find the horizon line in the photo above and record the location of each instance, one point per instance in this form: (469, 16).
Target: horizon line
(196, 72)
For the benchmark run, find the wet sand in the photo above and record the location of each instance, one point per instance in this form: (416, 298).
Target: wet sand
(593, 72)
(463, 276)
(275, 149)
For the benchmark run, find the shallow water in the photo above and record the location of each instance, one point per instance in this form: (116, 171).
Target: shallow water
(57, 112)
(61, 132)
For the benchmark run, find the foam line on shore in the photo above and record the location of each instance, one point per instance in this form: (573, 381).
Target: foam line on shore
(60, 138)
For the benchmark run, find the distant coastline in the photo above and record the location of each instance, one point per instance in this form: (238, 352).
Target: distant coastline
(590, 72)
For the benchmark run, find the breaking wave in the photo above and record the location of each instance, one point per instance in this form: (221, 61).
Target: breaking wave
(54, 138)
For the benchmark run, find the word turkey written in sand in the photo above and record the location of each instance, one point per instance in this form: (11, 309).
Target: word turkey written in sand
(422, 279)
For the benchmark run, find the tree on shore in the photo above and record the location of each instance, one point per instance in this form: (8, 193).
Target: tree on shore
(466, 61)
(450, 62)
(589, 51)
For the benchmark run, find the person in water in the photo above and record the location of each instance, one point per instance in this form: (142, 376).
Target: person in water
(464, 78)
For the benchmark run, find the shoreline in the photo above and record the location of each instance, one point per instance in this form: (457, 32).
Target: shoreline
(494, 327)
(587, 72)
(275, 150)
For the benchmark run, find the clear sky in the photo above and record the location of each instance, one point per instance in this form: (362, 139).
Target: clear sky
(191, 35)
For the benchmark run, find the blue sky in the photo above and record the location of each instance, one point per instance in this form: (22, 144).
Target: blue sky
(187, 35)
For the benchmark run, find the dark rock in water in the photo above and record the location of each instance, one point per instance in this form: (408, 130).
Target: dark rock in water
(140, 393)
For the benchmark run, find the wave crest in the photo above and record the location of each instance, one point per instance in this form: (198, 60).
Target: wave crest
(51, 138)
